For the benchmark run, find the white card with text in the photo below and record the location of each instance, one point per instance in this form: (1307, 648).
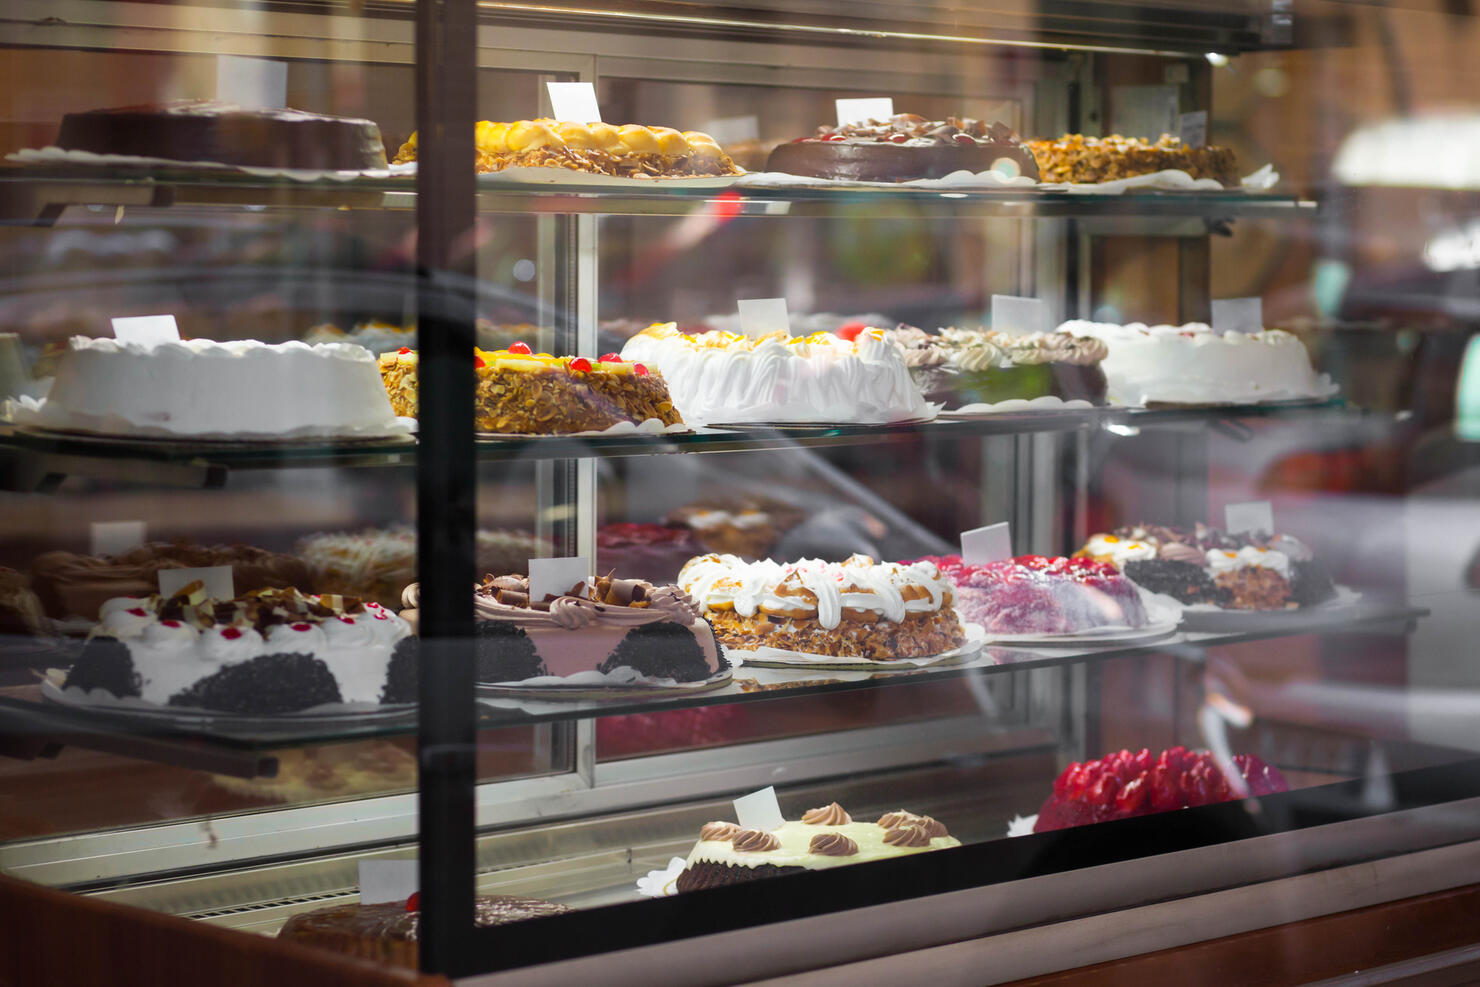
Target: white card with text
(116, 537)
(556, 577)
(1254, 516)
(759, 810)
(251, 82)
(146, 330)
(573, 102)
(383, 881)
(1193, 128)
(763, 316)
(864, 110)
(219, 584)
(1238, 314)
(1019, 316)
(990, 544)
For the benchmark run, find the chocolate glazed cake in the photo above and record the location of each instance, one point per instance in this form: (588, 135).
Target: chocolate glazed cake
(904, 148)
(206, 130)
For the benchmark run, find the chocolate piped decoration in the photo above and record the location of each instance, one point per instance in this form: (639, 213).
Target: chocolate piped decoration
(829, 815)
(756, 841)
(901, 817)
(718, 831)
(907, 836)
(832, 845)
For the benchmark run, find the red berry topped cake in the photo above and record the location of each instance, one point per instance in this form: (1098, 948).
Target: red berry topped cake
(1033, 594)
(1123, 784)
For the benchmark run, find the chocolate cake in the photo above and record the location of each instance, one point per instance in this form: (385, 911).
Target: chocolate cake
(959, 367)
(389, 932)
(904, 148)
(1185, 582)
(223, 133)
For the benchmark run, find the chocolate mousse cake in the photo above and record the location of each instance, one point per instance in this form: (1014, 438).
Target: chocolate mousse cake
(222, 133)
(390, 932)
(903, 148)
(824, 837)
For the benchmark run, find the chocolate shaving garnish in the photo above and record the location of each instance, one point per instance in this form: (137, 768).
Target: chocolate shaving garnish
(755, 841)
(829, 815)
(907, 836)
(721, 831)
(832, 845)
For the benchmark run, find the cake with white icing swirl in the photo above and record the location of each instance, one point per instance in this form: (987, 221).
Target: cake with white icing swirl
(985, 366)
(857, 608)
(822, 378)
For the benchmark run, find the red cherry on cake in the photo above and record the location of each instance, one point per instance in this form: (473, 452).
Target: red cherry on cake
(639, 370)
(138, 611)
(581, 364)
(301, 627)
(413, 904)
(522, 348)
(170, 623)
(231, 633)
(478, 361)
(404, 349)
(611, 358)
(347, 620)
(850, 331)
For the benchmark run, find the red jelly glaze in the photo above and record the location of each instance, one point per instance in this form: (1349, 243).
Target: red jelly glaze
(478, 361)
(404, 349)
(851, 330)
(300, 627)
(520, 347)
(581, 365)
(138, 612)
(639, 370)
(611, 358)
(170, 623)
(231, 633)
(413, 904)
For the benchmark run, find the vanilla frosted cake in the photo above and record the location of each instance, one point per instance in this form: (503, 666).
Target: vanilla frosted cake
(724, 377)
(200, 388)
(1192, 364)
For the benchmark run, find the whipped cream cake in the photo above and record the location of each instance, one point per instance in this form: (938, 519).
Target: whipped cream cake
(823, 838)
(1192, 364)
(199, 388)
(1034, 594)
(625, 151)
(719, 377)
(857, 608)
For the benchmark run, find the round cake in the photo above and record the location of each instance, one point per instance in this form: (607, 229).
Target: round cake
(200, 388)
(222, 133)
(958, 367)
(904, 148)
(1032, 594)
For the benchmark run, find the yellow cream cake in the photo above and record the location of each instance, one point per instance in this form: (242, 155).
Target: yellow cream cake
(627, 151)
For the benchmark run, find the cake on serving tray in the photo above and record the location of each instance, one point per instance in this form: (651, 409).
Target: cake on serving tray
(903, 148)
(724, 377)
(625, 151)
(602, 625)
(969, 366)
(825, 837)
(857, 608)
(223, 133)
(1033, 594)
(519, 392)
(1078, 159)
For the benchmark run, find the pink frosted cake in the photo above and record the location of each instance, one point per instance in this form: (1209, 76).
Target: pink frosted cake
(1032, 594)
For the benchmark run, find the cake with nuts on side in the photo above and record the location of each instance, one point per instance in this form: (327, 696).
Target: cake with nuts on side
(824, 838)
(524, 393)
(1082, 160)
(623, 151)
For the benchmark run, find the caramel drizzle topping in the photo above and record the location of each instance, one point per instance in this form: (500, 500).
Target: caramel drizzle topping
(721, 831)
(829, 815)
(907, 836)
(755, 841)
(832, 845)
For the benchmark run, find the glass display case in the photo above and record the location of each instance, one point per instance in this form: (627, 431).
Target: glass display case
(1081, 562)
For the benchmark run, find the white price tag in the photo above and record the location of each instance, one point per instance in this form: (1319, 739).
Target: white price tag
(116, 537)
(219, 585)
(1019, 316)
(556, 577)
(1253, 517)
(1193, 128)
(990, 544)
(147, 330)
(573, 102)
(763, 316)
(1238, 315)
(252, 82)
(383, 881)
(864, 110)
(759, 810)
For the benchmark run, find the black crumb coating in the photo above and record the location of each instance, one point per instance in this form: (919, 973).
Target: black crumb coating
(504, 653)
(402, 675)
(1183, 581)
(280, 683)
(664, 650)
(1310, 583)
(105, 664)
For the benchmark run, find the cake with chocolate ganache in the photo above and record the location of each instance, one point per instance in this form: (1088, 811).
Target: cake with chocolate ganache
(390, 932)
(825, 837)
(200, 130)
(602, 631)
(957, 367)
(903, 148)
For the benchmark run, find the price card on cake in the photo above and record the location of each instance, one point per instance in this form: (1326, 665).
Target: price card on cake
(1019, 316)
(763, 316)
(146, 330)
(1252, 517)
(556, 577)
(990, 544)
(255, 82)
(1193, 128)
(116, 537)
(759, 810)
(864, 110)
(1238, 314)
(384, 881)
(573, 102)
(217, 579)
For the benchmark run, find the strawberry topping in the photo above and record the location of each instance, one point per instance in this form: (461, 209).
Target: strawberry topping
(231, 633)
(581, 364)
(639, 370)
(611, 358)
(413, 904)
(522, 348)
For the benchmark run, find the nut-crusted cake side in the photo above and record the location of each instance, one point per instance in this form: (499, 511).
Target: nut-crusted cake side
(1079, 159)
(535, 393)
(625, 151)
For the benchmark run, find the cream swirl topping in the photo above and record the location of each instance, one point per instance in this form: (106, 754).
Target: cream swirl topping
(833, 845)
(754, 841)
(721, 831)
(1227, 560)
(831, 814)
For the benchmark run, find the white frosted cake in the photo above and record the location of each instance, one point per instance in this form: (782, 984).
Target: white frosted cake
(1192, 364)
(724, 377)
(201, 388)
